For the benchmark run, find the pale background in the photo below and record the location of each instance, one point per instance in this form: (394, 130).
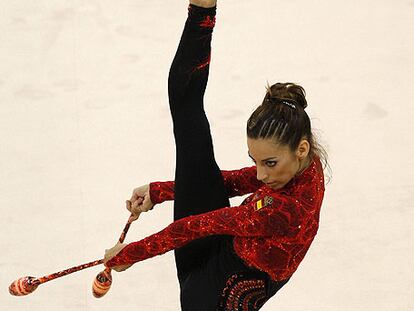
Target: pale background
(84, 119)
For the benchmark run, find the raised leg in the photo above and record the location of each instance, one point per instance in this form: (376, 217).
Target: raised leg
(199, 186)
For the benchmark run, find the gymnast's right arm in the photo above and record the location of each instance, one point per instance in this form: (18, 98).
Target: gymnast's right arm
(236, 182)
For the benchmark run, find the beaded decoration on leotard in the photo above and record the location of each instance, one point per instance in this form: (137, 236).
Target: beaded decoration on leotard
(243, 292)
(236, 182)
(270, 235)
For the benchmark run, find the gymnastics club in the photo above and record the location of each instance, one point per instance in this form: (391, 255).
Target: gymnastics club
(28, 284)
(103, 280)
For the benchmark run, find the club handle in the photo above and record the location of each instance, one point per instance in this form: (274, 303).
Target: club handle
(126, 228)
(59, 274)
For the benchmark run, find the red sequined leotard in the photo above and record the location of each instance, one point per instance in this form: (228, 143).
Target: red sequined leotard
(272, 229)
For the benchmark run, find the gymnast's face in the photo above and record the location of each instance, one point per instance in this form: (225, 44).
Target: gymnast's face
(277, 164)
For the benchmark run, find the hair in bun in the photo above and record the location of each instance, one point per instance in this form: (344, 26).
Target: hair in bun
(289, 92)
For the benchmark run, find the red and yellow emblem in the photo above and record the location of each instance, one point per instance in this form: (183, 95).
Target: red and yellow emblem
(263, 202)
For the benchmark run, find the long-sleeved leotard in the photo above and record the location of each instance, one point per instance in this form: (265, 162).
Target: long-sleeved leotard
(272, 229)
(237, 183)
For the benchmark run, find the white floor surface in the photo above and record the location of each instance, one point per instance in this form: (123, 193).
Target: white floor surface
(84, 119)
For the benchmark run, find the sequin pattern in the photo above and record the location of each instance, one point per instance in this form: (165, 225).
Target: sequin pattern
(242, 293)
(202, 20)
(208, 21)
(273, 239)
(161, 191)
(237, 183)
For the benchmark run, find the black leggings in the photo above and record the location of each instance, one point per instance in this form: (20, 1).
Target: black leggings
(197, 176)
(203, 265)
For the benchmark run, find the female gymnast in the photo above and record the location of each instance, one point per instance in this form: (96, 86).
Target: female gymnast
(231, 258)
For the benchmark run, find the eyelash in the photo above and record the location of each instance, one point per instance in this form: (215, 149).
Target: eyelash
(273, 163)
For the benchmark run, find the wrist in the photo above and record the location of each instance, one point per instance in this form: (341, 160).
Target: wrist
(154, 194)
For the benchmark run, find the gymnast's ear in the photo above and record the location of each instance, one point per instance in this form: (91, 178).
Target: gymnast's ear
(303, 149)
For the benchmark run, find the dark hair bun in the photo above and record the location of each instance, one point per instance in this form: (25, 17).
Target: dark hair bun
(290, 92)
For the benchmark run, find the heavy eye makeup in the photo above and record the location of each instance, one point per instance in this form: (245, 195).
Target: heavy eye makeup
(267, 162)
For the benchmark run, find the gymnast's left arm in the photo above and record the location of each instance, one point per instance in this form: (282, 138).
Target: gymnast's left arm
(110, 253)
(270, 216)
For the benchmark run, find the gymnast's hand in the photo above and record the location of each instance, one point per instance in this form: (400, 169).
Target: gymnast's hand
(140, 201)
(112, 252)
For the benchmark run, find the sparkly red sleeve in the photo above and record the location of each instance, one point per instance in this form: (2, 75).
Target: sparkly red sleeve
(276, 215)
(236, 182)
(241, 182)
(161, 191)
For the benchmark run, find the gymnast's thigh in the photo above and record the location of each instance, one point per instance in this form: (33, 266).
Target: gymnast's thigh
(199, 187)
(199, 290)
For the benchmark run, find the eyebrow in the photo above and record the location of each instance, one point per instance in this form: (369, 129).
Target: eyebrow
(262, 160)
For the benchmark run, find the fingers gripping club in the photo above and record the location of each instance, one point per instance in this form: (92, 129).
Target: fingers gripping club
(103, 280)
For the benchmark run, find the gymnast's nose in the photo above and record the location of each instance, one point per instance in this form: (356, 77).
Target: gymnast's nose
(261, 173)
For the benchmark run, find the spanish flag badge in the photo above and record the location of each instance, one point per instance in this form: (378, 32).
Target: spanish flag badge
(263, 202)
